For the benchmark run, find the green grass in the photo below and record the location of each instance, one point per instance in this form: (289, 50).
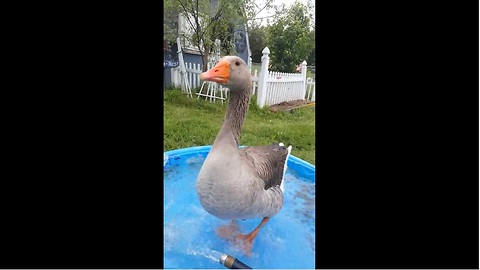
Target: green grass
(258, 66)
(195, 122)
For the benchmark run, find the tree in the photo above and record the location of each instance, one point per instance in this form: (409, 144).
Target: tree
(258, 41)
(311, 56)
(204, 18)
(212, 19)
(289, 38)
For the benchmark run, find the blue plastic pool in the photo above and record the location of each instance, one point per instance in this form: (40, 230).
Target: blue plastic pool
(190, 241)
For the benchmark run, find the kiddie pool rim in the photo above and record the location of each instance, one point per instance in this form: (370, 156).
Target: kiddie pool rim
(295, 163)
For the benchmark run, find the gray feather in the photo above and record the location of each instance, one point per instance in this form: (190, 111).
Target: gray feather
(267, 162)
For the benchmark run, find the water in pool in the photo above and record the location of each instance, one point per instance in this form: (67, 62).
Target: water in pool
(190, 240)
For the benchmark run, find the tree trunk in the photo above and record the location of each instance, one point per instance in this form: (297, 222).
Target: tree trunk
(205, 55)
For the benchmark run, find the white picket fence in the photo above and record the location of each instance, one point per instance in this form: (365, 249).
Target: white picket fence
(254, 82)
(276, 87)
(310, 89)
(193, 75)
(270, 87)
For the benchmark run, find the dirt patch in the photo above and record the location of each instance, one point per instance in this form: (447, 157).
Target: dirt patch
(289, 105)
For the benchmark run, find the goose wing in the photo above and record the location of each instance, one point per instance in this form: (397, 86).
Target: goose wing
(268, 162)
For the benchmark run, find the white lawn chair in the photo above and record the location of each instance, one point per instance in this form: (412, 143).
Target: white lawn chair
(213, 89)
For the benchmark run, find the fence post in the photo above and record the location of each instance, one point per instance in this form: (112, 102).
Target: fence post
(304, 75)
(183, 72)
(262, 80)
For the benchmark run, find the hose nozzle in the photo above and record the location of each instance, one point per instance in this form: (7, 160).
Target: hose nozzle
(232, 263)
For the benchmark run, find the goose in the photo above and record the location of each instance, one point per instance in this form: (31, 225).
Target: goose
(240, 183)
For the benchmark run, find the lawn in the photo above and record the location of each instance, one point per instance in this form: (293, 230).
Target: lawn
(195, 122)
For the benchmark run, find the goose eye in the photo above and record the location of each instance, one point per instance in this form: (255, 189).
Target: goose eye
(237, 63)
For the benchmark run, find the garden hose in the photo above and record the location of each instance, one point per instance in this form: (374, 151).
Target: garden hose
(232, 263)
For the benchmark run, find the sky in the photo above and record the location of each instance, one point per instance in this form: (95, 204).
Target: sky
(265, 13)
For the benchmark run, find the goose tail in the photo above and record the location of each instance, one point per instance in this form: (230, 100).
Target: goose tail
(289, 149)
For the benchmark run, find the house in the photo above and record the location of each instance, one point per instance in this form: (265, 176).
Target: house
(179, 27)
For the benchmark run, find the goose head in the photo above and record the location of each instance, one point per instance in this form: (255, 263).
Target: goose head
(231, 72)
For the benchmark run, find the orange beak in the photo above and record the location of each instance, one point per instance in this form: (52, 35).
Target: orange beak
(219, 73)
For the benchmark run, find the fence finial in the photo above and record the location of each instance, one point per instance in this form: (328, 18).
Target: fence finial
(262, 80)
